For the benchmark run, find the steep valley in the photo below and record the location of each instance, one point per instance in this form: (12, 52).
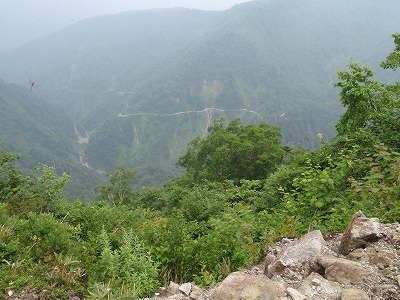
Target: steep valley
(145, 83)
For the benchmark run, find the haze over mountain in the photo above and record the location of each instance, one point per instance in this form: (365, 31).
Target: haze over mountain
(21, 22)
(42, 133)
(142, 84)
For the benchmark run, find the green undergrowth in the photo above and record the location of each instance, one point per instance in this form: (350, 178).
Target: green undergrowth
(218, 217)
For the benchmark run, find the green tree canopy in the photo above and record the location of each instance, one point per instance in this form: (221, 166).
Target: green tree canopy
(234, 152)
(120, 190)
(372, 107)
(35, 192)
(393, 59)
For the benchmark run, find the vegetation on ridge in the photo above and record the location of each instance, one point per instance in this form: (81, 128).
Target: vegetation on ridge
(139, 86)
(200, 227)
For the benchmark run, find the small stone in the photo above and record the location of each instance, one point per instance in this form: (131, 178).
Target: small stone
(358, 255)
(316, 282)
(359, 233)
(238, 286)
(308, 248)
(286, 241)
(186, 288)
(173, 289)
(267, 261)
(380, 259)
(384, 287)
(311, 291)
(173, 285)
(196, 293)
(342, 270)
(386, 291)
(295, 294)
(353, 294)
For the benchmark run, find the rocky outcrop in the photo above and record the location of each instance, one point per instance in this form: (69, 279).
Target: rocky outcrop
(360, 232)
(306, 249)
(362, 263)
(239, 286)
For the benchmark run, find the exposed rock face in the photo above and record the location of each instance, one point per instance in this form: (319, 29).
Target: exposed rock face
(360, 232)
(353, 294)
(239, 286)
(343, 270)
(308, 248)
(363, 264)
(316, 287)
(295, 294)
(186, 288)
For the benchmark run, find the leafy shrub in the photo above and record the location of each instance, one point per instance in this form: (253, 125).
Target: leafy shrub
(232, 241)
(129, 265)
(104, 291)
(378, 191)
(234, 152)
(38, 252)
(44, 236)
(171, 241)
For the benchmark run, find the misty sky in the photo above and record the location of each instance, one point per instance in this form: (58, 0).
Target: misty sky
(25, 20)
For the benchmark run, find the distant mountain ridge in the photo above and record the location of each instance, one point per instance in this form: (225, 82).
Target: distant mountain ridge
(145, 83)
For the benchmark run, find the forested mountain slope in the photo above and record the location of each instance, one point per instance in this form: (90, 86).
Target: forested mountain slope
(241, 193)
(42, 134)
(144, 83)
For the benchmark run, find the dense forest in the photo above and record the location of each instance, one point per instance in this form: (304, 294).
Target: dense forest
(241, 189)
(137, 87)
(43, 133)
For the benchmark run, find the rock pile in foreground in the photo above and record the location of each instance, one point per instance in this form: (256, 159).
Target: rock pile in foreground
(362, 263)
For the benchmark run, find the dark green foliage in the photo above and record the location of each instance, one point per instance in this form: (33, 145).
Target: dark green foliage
(35, 192)
(45, 235)
(359, 170)
(240, 191)
(129, 265)
(10, 178)
(42, 134)
(232, 242)
(372, 107)
(378, 190)
(40, 252)
(393, 59)
(144, 84)
(358, 95)
(234, 152)
(120, 190)
(172, 243)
